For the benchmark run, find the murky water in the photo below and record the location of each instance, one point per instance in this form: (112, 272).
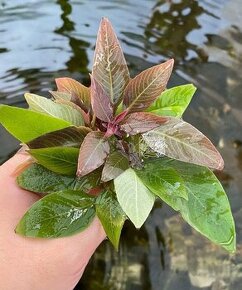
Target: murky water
(41, 40)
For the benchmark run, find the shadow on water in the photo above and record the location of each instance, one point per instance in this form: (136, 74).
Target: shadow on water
(205, 38)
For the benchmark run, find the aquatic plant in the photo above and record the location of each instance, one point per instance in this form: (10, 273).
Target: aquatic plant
(114, 148)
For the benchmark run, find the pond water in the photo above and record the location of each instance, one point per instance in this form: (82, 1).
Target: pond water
(42, 40)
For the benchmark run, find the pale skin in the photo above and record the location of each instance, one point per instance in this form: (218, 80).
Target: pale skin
(40, 264)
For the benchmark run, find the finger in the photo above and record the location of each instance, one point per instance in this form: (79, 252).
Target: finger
(57, 263)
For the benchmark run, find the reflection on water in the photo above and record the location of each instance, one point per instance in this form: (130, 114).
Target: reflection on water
(41, 40)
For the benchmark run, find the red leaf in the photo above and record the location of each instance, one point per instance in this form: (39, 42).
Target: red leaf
(93, 152)
(180, 140)
(79, 93)
(147, 86)
(141, 122)
(101, 104)
(109, 65)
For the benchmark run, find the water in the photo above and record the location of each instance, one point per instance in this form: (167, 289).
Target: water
(42, 40)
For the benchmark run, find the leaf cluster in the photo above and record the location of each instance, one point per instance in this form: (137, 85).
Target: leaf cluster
(112, 148)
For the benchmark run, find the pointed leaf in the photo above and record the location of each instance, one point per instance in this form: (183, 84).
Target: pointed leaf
(60, 214)
(134, 197)
(207, 208)
(38, 179)
(61, 160)
(47, 106)
(101, 104)
(68, 137)
(93, 152)
(180, 140)
(173, 102)
(109, 65)
(141, 122)
(111, 216)
(115, 164)
(79, 93)
(26, 125)
(141, 91)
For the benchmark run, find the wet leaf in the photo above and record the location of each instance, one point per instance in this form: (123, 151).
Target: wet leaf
(115, 164)
(109, 65)
(26, 125)
(141, 91)
(134, 197)
(93, 152)
(180, 140)
(61, 160)
(60, 214)
(101, 104)
(173, 102)
(163, 181)
(61, 111)
(68, 137)
(207, 208)
(38, 179)
(141, 122)
(79, 93)
(111, 216)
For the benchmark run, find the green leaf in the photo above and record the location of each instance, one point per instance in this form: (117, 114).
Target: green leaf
(134, 197)
(26, 125)
(115, 164)
(37, 178)
(68, 137)
(61, 111)
(59, 214)
(166, 181)
(61, 160)
(61, 95)
(111, 216)
(174, 101)
(180, 140)
(207, 209)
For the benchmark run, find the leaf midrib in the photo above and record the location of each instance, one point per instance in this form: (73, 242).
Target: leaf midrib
(185, 144)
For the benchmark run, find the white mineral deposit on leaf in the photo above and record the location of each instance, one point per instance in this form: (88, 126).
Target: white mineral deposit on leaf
(177, 185)
(36, 227)
(75, 213)
(158, 145)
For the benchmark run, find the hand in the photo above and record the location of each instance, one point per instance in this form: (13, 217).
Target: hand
(39, 264)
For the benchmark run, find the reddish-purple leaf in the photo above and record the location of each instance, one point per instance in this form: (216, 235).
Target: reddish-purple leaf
(141, 122)
(119, 118)
(147, 86)
(101, 104)
(109, 65)
(93, 152)
(80, 94)
(180, 140)
(115, 164)
(67, 137)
